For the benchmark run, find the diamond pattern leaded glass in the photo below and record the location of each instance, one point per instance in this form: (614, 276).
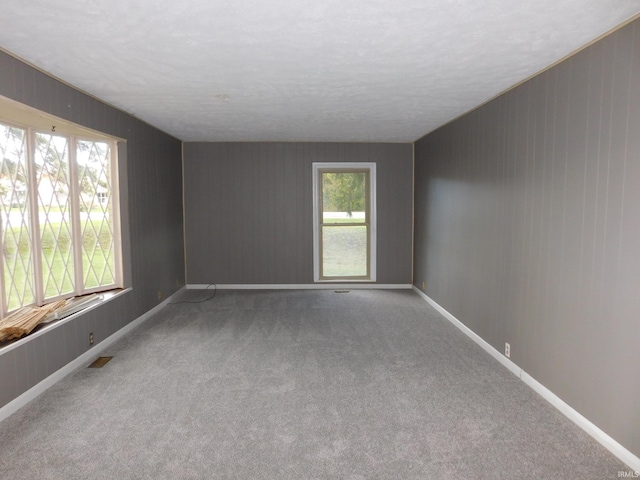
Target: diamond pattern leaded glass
(54, 210)
(58, 238)
(17, 251)
(96, 213)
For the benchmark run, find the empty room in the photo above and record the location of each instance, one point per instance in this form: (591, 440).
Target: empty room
(302, 240)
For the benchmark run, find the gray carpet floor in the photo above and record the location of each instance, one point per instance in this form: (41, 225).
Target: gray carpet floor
(297, 385)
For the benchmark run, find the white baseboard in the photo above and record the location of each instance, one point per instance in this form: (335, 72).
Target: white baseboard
(80, 362)
(601, 437)
(473, 335)
(302, 286)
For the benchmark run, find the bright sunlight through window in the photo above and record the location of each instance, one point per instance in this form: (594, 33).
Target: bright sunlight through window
(60, 224)
(344, 221)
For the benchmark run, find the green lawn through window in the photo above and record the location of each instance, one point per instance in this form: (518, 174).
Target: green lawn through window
(99, 246)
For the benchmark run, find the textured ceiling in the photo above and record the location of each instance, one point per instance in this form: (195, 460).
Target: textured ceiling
(300, 70)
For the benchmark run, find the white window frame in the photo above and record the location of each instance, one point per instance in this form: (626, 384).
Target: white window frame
(318, 167)
(73, 134)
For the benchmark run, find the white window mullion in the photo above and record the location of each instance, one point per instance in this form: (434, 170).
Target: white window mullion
(3, 293)
(373, 223)
(3, 296)
(34, 217)
(76, 230)
(115, 212)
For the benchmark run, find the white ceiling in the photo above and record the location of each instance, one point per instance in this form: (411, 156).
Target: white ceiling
(300, 70)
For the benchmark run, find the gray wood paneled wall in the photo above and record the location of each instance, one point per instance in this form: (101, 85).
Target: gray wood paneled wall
(248, 210)
(151, 183)
(527, 228)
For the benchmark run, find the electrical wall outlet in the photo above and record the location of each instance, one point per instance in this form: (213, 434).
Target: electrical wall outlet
(91, 338)
(424, 286)
(507, 350)
(159, 294)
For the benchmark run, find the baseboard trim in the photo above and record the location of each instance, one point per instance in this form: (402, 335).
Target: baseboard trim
(473, 335)
(80, 362)
(585, 424)
(302, 286)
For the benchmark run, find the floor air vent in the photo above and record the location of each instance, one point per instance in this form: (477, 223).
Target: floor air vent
(100, 362)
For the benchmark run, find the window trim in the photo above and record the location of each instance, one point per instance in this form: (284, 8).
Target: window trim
(32, 121)
(317, 169)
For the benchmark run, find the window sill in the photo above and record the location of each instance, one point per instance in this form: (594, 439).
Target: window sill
(55, 323)
(346, 280)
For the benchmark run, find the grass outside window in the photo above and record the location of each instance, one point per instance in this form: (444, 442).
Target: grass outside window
(59, 214)
(97, 256)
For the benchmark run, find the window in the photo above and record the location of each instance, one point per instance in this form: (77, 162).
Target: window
(59, 229)
(344, 236)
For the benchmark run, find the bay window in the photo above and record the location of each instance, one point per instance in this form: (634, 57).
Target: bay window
(59, 228)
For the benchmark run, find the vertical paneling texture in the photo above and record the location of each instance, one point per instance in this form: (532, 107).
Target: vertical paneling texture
(249, 206)
(152, 202)
(527, 228)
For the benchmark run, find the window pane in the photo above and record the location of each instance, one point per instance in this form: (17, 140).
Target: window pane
(96, 213)
(343, 197)
(16, 235)
(344, 251)
(54, 210)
